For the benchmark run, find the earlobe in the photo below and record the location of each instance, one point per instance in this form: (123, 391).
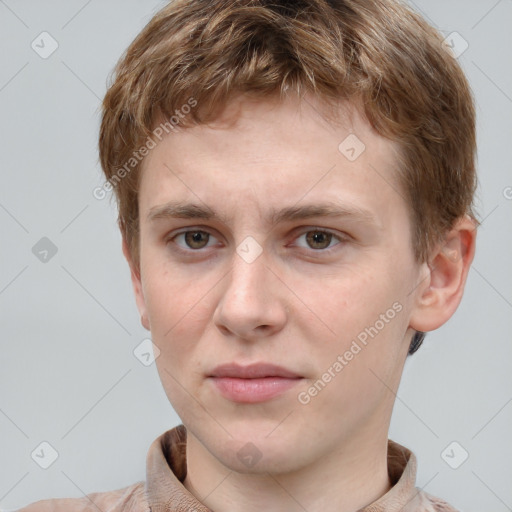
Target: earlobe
(440, 294)
(137, 286)
(145, 322)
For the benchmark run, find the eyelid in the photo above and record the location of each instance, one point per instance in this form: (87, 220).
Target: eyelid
(341, 237)
(183, 231)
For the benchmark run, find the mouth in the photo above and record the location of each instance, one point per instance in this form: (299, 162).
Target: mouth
(251, 391)
(254, 383)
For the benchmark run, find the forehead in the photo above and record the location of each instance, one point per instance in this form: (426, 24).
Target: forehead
(269, 154)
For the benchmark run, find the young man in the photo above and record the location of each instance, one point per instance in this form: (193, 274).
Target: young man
(295, 185)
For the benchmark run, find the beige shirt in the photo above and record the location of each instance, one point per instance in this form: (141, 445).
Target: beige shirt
(164, 491)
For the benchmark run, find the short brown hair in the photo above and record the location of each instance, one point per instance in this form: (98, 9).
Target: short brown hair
(380, 52)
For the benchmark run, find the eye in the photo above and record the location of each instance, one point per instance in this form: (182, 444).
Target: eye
(194, 239)
(319, 239)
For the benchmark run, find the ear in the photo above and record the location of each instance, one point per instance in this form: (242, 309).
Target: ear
(137, 286)
(443, 278)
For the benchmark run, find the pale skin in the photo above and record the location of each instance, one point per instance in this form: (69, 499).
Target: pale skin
(299, 304)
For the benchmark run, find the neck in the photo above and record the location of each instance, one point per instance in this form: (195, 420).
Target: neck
(345, 480)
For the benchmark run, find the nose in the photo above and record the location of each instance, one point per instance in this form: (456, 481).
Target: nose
(253, 299)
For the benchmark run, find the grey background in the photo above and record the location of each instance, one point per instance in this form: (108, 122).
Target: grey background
(68, 374)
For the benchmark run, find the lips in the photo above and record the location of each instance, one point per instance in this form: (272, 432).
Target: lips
(253, 371)
(254, 383)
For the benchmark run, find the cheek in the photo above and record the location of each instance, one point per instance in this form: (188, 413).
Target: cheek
(366, 314)
(169, 290)
(176, 306)
(178, 312)
(348, 301)
(354, 376)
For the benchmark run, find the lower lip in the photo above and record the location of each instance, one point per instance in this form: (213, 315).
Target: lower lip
(253, 390)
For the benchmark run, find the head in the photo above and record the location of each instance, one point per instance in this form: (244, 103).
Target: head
(243, 123)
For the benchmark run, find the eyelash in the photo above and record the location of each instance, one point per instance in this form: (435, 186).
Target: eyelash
(190, 252)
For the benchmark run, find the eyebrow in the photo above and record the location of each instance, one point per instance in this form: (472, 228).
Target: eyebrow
(180, 210)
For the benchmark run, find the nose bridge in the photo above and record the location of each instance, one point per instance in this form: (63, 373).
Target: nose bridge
(249, 273)
(250, 298)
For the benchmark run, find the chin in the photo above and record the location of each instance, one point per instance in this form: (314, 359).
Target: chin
(252, 450)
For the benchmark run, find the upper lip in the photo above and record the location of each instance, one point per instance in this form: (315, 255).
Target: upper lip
(252, 371)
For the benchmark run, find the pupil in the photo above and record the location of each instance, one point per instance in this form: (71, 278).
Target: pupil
(195, 239)
(320, 238)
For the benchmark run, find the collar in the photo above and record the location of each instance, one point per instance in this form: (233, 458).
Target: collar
(166, 469)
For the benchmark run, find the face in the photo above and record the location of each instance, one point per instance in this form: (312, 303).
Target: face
(272, 238)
